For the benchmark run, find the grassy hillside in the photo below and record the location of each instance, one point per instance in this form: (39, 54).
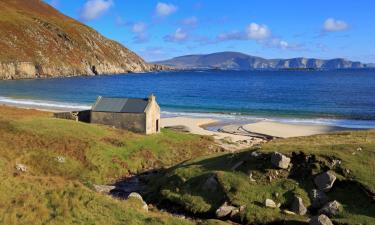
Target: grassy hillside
(184, 184)
(53, 192)
(50, 192)
(50, 44)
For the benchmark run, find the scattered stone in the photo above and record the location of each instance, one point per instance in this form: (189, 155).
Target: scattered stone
(250, 173)
(276, 194)
(324, 181)
(331, 208)
(60, 159)
(359, 149)
(347, 171)
(354, 153)
(320, 220)
(279, 160)
(225, 210)
(103, 188)
(137, 196)
(242, 208)
(318, 198)
(237, 165)
(270, 203)
(21, 167)
(336, 162)
(211, 184)
(288, 212)
(298, 207)
(255, 154)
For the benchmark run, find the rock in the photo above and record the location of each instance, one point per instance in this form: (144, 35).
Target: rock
(211, 184)
(255, 154)
(225, 210)
(288, 212)
(21, 167)
(135, 195)
(324, 181)
(103, 188)
(359, 149)
(250, 173)
(60, 159)
(331, 208)
(320, 220)
(318, 198)
(270, 203)
(279, 160)
(298, 207)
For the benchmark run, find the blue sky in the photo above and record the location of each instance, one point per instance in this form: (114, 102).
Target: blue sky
(271, 29)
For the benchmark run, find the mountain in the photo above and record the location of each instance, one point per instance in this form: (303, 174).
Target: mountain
(38, 41)
(240, 61)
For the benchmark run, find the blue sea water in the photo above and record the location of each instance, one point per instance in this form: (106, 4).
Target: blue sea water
(338, 97)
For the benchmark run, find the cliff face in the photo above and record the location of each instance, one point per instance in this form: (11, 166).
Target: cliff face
(239, 61)
(38, 41)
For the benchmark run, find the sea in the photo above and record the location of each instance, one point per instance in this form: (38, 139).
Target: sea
(335, 97)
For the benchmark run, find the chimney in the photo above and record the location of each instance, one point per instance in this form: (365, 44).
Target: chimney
(151, 98)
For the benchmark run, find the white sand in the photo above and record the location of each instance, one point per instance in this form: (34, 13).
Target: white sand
(193, 125)
(284, 130)
(245, 132)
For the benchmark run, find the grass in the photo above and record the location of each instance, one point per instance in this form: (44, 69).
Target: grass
(54, 193)
(183, 184)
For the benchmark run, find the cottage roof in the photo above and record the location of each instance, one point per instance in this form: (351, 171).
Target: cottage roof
(120, 105)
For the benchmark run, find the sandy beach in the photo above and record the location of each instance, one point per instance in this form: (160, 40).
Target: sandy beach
(237, 133)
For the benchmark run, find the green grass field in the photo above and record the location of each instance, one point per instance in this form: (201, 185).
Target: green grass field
(50, 192)
(54, 193)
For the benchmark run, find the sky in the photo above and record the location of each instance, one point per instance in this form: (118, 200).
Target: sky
(159, 30)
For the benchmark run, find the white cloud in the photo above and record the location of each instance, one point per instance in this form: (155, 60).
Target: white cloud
(178, 36)
(190, 21)
(93, 9)
(54, 3)
(139, 27)
(165, 9)
(331, 25)
(257, 32)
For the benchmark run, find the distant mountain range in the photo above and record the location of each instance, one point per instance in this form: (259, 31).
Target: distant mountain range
(240, 61)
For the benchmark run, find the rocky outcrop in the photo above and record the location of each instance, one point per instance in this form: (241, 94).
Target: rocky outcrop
(320, 220)
(280, 161)
(325, 181)
(331, 208)
(40, 42)
(298, 207)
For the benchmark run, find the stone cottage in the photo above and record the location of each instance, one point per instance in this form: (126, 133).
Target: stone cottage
(140, 115)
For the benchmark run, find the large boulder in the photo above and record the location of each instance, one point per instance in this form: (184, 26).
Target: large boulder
(325, 181)
(139, 198)
(226, 210)
(320, 220)
(298, 207)
(279, 160)
(331, 208)
(269, 203)
(318, 198)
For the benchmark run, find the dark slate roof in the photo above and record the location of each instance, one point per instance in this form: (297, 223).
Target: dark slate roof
(120, 105)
